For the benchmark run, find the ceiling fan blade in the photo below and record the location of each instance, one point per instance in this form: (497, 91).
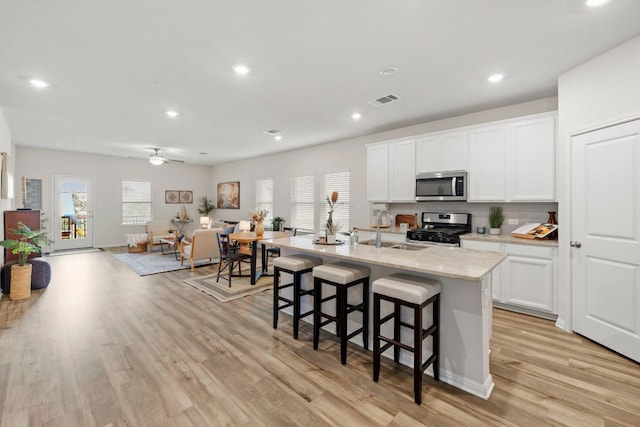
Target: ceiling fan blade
(173, 161)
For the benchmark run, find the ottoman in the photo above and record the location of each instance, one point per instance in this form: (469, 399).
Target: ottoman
(40, 274)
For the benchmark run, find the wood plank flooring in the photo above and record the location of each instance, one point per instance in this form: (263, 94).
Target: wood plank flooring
(104, 347)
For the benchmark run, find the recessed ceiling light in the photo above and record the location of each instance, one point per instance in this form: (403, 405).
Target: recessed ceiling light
(356, 116)
(594, 3)
(495, 78)
(38, 83)
(172, 113)
(278, 137)
(389, 71)
(241, 69)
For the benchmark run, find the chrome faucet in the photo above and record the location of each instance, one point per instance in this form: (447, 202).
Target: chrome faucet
(378, 238)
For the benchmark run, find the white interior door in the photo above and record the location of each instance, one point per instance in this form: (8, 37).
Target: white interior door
(605, 236)
(73, 212)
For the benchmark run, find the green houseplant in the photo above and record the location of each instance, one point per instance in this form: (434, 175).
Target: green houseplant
(277, 223)
(206, 206)
(496, 218)
(29, 242)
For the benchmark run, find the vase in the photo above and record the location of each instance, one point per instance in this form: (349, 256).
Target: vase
(183, 214)
(20, 282)
(494, 231)
(259, 228)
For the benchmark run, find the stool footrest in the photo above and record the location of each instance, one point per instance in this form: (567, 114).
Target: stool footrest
(306, 314)
(354, 333)
(387, 318)
(429, 331)
(385, 347)
(352, 308)
(396, 343)
(288, 304)
(429, 361)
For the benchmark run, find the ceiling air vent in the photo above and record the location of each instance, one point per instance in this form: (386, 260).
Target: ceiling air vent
(384, 100)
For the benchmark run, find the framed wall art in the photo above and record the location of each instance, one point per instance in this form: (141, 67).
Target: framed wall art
(172, 197)
(186, 197)
(229, 195)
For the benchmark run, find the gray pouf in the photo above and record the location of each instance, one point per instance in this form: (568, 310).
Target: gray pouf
(40, 274)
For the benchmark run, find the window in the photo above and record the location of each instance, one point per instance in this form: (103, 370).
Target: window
(136, 202)
(264, 196)
(329, 183)
(302, 202)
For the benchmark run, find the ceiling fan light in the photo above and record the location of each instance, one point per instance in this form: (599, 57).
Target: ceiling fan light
(156, 160)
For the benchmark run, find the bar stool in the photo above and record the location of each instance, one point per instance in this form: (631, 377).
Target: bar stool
(297, 266)
(415, 293)
(343, 276)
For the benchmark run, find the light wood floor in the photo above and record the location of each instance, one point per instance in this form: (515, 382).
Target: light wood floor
(103, 346)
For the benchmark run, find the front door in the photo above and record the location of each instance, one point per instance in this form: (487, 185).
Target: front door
(605, 236)
(73, 212)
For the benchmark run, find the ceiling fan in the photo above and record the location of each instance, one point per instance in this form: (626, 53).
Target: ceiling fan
(156, 159)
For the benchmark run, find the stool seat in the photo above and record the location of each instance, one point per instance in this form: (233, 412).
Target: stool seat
(296, 262)
(407, 288)
(341, 272)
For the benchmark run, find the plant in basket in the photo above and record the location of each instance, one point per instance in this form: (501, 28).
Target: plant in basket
(29, 242)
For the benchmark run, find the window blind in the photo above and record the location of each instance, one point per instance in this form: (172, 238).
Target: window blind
(340, 182)
(136, 202)
(264, 196)
(303, 202)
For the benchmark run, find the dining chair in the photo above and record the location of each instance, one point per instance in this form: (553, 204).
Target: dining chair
(229, 257)
(275, 252)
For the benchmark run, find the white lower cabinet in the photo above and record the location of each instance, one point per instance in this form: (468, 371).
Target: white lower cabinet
(527, 279)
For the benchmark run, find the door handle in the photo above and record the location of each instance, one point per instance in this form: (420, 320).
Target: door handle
(575, 244)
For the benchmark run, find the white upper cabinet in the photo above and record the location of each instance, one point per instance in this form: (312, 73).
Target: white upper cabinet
(533, 148)
(378, 173)
(402, 171)
(448, 151)
(513, 160)
(391, 171)
(488, 164)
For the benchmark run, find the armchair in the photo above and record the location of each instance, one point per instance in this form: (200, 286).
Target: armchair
(203, 245)
(158, 229)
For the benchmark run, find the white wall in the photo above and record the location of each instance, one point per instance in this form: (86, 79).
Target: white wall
(349, 154)
(108, 172)
(7, 147)
(603, 90)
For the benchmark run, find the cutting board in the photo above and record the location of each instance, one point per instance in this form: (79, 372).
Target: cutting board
(408, 218)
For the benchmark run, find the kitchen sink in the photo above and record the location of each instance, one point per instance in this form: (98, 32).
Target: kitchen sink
(395, 245)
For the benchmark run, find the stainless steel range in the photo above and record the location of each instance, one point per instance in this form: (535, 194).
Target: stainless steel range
(441, 228)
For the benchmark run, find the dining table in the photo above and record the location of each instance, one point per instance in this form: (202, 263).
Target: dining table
(249, 240)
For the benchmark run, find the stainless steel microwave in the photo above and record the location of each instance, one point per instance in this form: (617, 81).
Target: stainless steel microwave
(441, 186)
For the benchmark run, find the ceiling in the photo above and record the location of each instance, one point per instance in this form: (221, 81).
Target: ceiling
(115, 67)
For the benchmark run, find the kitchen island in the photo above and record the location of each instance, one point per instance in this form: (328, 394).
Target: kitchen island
(466, 305)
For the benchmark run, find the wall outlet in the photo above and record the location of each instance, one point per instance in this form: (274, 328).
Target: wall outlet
(512, 221)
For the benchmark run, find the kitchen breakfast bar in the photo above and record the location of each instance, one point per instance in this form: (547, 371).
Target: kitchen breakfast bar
(465, 300)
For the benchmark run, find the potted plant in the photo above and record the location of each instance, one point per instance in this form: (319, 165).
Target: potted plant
(30, 241)
(496, 218)
(206, 206)
(277, 223)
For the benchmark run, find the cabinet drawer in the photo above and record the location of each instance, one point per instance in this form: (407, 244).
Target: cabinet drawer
(529, 251)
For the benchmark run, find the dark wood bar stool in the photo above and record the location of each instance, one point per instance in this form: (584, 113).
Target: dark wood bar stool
(342, 276)
(297, 266)
(414, 293)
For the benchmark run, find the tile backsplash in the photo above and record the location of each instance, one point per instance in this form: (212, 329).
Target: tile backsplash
(523, 212)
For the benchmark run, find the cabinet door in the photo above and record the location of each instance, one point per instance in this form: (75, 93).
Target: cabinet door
(528, 282)
(487, 164)
(454, 150)
(533, 160)
(428, 155)
(496, 274)
(378, 173)
(402, 171)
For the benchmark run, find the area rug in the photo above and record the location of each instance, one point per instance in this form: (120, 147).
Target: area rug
(147, 263)
(240, 286)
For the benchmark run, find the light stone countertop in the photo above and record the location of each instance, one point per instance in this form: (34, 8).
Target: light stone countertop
(508, 238)
(451, 262)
